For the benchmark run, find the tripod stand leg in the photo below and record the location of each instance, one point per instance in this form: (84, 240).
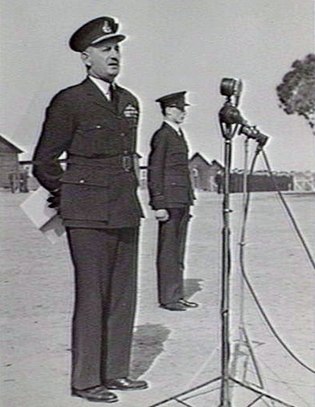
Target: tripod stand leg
(200, 386)
(255, 401)
(249, 347)
(262, 393)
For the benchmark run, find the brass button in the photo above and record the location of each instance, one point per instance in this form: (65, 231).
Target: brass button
(98, 126)
(82, 181)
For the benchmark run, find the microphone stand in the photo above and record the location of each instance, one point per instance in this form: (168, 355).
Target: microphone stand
(230, 121)
(228, 134)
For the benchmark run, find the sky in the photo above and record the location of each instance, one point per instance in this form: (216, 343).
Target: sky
(171, 45)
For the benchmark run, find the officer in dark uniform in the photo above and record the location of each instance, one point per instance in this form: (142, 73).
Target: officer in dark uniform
(171, 195)
(95, 123)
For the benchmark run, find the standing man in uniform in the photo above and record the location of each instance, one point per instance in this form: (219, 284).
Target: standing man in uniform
(171, 195)
(95, 123)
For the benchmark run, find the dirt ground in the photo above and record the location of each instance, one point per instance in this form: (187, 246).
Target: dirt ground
(175, 352)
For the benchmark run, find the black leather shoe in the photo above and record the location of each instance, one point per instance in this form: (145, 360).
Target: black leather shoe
(126, 384)
(99, 394)
(188, 304)
(174, 306)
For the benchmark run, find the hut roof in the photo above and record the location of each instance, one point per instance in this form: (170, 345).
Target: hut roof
(198, 155)
(8, 143)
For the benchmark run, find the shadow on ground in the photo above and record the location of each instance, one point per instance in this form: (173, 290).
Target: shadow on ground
(192, 286)
(147, 345)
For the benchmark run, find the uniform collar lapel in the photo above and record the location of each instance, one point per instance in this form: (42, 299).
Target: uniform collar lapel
(96, 94)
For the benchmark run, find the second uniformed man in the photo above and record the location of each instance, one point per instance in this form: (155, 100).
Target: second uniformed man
(171, 196)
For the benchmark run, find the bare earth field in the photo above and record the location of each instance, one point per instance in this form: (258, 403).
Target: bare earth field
(175, 352)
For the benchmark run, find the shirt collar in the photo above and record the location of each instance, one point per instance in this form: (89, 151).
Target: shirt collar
(173, 125)
(102, 85)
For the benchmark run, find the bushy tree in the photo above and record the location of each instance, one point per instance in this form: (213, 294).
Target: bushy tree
(296, 92)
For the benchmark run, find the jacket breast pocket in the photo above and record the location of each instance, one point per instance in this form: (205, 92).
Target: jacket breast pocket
(95, 140)
(84, 195)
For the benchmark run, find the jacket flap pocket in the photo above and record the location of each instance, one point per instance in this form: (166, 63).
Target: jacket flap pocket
(85, 176)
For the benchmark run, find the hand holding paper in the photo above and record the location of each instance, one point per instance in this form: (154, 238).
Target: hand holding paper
(42, 215)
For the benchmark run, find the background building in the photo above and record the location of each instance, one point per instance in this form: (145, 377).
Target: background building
(203, 174)
(261, 181)
(9, 162)
(209, 176)
(303, 180)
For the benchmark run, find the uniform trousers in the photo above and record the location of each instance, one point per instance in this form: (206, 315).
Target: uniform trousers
(105, 267)
(170, 256)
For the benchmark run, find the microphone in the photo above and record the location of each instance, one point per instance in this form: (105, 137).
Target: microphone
(230, 114)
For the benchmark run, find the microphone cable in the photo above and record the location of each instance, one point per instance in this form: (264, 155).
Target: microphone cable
(242, 265)
(288, 211)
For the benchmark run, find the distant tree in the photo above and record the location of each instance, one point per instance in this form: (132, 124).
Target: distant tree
(296, 93)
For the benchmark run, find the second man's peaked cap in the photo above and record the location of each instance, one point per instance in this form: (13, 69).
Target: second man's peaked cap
(176, 99)
(93, 32)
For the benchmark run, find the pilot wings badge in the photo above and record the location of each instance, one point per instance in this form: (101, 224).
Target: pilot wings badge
(131, 112)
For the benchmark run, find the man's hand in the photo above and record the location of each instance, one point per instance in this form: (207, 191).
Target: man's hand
(54, 199)
(161, 215)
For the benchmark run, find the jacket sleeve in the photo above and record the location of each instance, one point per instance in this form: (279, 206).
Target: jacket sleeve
(156, 168)
(55, 138)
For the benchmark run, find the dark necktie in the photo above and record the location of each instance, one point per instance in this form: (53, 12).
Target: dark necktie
(113, 96)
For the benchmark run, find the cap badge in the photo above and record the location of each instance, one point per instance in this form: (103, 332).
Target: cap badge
(107, 29)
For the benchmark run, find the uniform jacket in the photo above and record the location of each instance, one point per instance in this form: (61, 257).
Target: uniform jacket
(168, 173)
(99, 183)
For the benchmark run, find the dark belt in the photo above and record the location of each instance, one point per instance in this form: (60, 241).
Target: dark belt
(117, 162)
